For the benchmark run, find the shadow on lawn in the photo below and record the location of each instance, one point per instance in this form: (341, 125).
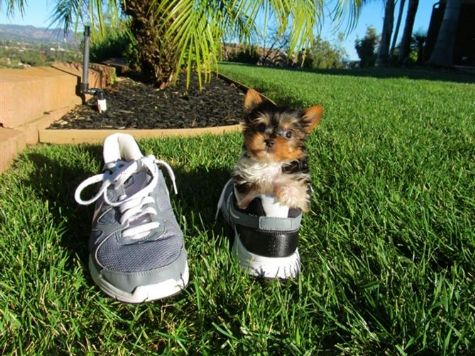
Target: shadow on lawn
(55, 181)
(199, 192)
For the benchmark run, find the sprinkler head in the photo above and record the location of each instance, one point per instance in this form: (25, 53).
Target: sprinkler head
(101, 101)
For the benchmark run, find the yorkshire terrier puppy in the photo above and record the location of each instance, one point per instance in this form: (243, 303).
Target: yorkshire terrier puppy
(274, 160)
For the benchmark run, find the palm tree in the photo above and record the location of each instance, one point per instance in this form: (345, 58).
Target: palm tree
(148, 30)
(383, 52)
(189, 33)
(407, 33)
(398, 24)
(442, 55)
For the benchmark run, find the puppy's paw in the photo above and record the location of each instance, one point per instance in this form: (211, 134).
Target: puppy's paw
(293, 195)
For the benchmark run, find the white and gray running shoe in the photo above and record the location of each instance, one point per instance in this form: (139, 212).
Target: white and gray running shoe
(136, 248)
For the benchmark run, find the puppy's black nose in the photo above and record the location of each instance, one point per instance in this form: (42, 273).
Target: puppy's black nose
(269, 142)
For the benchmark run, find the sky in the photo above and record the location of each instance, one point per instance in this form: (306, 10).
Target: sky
(38, 12)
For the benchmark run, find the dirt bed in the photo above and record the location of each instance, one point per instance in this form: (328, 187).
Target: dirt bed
(132, 104)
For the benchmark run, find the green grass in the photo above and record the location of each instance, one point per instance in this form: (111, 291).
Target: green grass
(388, 249)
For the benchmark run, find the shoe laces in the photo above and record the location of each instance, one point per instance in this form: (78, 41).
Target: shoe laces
(136, 209)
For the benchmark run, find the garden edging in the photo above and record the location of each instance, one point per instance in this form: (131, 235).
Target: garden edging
(76, 136)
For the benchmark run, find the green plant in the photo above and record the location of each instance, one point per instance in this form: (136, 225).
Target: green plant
(324, 55)
(244, 54)
(366, 47)
(115, 42)
(419, 39)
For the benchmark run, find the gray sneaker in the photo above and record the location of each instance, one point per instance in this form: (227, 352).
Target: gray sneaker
(137, 251)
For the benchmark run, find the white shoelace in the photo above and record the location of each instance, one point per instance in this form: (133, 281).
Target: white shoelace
(135, 209)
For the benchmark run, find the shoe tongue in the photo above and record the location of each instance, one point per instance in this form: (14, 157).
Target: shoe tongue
(120, 146)
(136, 183)
(274, 208)
(114, 166)
(132, 185)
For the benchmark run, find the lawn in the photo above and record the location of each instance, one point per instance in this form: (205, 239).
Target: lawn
(388, 249)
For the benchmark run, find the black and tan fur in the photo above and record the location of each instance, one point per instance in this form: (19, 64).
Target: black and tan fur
(274, 159)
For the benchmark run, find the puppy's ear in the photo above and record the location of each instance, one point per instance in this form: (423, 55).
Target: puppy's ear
(252, 100)
(312, 117)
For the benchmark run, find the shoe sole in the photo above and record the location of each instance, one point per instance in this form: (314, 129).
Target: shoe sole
(141, 294)
(266, 267)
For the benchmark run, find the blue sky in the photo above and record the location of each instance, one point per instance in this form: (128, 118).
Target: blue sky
(38, 13)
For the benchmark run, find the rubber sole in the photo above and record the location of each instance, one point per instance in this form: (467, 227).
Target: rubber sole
(141, 294)
(266, 267)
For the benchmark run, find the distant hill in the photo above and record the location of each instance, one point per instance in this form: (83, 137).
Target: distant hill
(31, 34)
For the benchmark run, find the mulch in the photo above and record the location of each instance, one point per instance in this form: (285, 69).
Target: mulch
(132, 104)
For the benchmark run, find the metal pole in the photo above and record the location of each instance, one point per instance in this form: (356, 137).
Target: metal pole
(84, 86)
(85, 61)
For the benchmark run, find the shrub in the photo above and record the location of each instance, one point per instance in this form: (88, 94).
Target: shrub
(33, 58)
(366, 48)
(241, 53)
(116, 42)
(324, 55)
(418, 42)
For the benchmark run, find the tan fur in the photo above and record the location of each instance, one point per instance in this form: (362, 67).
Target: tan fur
(260, 171)
(285, 152)
(313, 115)
(251, 100)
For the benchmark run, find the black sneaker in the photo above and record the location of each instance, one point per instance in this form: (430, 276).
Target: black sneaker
(265, 235)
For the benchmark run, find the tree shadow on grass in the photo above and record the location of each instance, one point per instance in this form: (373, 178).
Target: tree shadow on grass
(415, 73)
(199, 192)
(55, 181)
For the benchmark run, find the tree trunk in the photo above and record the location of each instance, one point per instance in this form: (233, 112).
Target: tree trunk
(157, 58)
(442, 55)
(383, 52)
(420, 41)
(407, 34)
(398, 24)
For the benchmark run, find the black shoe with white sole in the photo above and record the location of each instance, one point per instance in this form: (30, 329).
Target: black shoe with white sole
(265, 235)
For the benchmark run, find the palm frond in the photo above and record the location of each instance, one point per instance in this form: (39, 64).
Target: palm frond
(67, 13)
(13, 5)
(197, 28)
(70, 14)
(347, 11)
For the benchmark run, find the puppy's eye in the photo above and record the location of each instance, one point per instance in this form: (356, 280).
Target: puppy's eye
(288, 134)
(261, 127)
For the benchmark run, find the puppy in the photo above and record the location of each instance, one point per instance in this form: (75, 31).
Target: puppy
(274, 160)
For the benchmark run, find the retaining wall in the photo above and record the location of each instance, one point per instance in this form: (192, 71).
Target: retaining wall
(31, 99)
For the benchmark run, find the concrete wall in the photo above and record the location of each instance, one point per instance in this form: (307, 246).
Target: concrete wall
(31, 99)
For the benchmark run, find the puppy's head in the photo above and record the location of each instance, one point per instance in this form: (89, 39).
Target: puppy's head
(276, 134)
